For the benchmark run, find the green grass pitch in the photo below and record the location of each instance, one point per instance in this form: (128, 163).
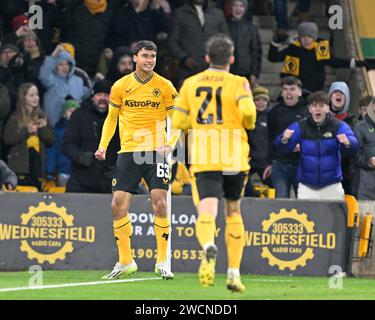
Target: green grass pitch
(185, 286)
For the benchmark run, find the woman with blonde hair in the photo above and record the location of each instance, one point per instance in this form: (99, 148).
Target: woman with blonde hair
(27, 133)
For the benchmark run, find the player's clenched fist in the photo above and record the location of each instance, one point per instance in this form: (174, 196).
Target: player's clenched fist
(100, 154)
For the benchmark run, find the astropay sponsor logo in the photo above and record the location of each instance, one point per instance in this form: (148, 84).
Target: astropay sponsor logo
(141, 104)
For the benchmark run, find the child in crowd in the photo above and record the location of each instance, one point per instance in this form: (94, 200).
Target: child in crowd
(57, 164)
(28, 132)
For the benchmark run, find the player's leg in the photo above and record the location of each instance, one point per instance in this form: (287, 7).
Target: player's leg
(156, 176)
(122, 230)
(234, 239)
(126, 181)
(206, 223)
(207, 189)
(162, 230)
(235, 229)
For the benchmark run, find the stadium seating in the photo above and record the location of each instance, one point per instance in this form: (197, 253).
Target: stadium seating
(56, 189)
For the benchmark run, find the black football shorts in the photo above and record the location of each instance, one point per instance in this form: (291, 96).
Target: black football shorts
(131, 167)
(215, 184)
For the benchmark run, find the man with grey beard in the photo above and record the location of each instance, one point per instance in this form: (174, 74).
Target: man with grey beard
(80, 141)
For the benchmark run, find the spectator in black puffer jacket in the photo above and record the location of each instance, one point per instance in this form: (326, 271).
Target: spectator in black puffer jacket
(248, 48)
(258, 140)
(80, 141)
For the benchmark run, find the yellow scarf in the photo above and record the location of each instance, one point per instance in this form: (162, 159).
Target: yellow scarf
(96, 6)
(33, 142)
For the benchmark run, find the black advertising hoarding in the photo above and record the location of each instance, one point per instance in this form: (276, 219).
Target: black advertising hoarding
(74, 231)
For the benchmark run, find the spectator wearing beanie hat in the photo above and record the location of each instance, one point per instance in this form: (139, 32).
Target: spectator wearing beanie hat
(261, 92)
(258, 140)
(80, 141)
(103, 86)
(307, 56)
(20, 26)
(20, 21)
(7, 52)
(57, 164)
(68, 47)
(308, 29)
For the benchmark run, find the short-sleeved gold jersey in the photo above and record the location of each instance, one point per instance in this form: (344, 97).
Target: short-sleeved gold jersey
(218, 140)
(143, 109)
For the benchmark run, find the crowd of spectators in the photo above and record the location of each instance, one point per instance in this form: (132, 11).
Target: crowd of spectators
(55, 81)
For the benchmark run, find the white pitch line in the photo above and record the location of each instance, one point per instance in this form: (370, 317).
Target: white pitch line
(78, 284)
(267, 280)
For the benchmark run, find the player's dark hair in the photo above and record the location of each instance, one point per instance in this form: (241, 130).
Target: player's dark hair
(144, 44)
(291, 81)
(220, 48)
(319, 97)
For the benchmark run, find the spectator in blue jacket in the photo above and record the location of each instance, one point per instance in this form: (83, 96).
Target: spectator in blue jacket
(57, 164)
(320, 137)
(58, 78)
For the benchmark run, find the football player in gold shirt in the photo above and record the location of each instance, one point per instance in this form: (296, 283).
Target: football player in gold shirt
(218, 107)
(141, 101)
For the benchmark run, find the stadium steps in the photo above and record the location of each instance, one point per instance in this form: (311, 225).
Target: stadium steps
(270, 76)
